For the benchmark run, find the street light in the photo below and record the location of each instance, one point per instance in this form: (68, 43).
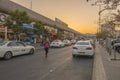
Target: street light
(95, 4)
(99, 13)
(31, 4)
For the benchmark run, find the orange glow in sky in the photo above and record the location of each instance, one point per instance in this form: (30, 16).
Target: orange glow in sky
(78, 14)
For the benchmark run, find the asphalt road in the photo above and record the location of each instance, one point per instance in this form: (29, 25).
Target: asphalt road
(58, 66)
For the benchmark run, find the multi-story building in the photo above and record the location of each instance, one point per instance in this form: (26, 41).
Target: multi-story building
(11, 6)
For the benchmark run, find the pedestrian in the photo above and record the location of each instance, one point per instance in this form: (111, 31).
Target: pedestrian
(46, 47)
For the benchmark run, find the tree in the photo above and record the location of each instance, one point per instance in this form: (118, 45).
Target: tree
(41, 30)
(39, 27)
(104, 34)
(60, 36)
(15, 21)
(117, 16)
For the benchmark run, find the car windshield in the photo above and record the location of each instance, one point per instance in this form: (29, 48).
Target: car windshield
(82, 43)
(2, 43)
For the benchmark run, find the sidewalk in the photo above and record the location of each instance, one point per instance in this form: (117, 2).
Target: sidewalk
(104, 67)
(38, 46)
(115, 55)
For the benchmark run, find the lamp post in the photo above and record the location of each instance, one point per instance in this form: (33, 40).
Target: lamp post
(31, 4)
(99, 30)
(99, 13)
(99, 22)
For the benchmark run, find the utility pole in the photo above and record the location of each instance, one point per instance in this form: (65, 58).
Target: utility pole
(31, 4)
(99, 20)
(99, 29)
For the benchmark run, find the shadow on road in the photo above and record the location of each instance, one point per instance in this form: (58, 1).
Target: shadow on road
(83, 57)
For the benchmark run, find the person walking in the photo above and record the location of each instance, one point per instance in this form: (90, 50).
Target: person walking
(46, 47)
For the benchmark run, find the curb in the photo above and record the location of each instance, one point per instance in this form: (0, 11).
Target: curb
(98, 67)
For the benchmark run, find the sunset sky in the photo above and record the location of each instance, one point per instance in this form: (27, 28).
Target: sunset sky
(78, 14)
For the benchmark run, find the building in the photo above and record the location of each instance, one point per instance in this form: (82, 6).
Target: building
(60, 28)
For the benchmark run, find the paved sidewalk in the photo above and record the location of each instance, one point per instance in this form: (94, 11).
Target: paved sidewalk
(38, 46)
(110, 67)
(115, 55)
(98, 67)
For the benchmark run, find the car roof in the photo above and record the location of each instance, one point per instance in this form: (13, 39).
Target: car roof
(83, 41)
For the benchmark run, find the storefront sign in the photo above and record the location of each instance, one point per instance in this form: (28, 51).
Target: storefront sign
(2, 29)
(3, 16)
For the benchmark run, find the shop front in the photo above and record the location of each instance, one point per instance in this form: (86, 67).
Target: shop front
(3, 32)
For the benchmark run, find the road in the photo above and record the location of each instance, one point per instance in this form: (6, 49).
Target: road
(58, 66)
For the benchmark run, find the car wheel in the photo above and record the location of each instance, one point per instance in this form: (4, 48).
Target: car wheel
(8, 55)
(31, 51)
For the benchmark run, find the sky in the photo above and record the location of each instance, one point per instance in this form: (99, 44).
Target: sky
(78, 14)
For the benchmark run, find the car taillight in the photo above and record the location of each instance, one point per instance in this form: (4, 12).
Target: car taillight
(89, 48)
(75, 48)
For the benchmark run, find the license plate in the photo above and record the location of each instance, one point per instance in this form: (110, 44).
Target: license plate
(81, 52)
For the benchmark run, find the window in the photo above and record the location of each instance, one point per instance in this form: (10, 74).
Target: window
(2, 43)
(20, 44)
(82, 43)
(12, 44)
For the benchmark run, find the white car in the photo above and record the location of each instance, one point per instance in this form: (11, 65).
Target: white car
(67, 42)
(73, 41)
(57, 43)
(14, 48)
(83, 48)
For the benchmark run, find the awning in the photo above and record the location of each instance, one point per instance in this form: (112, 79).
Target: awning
(30, 26)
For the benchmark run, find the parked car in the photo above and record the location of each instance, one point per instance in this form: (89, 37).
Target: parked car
(9, 49)
(57, 43)
(92, 42)
(115, 41)
(116, 45)
(67, 42)
(73, 41)
(83, 48)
